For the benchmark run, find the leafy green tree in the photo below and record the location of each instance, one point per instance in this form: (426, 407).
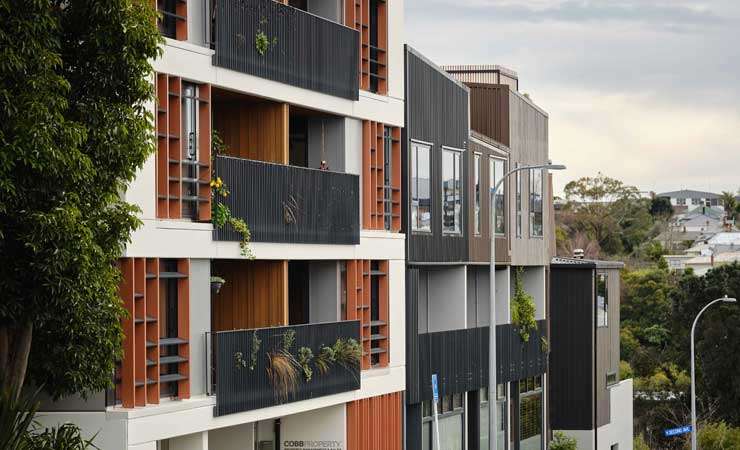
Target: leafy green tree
(718, 436)
(717, 337)
(729, 203)
(74, 129)
(660, 207)
(561, 441)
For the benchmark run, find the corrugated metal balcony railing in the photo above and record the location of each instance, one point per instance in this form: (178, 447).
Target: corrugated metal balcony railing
(248, 369)
(281, 43)
(288, 204)
(460, 358)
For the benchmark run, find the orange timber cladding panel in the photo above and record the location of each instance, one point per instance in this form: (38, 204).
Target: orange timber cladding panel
(373, 176)
(357, 16)
(359, 308)
(140, 292)
(170, 148)
(181, 18)
(375, 423)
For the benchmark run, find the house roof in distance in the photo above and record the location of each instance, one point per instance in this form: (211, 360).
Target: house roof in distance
(688, 193)
(577, 263)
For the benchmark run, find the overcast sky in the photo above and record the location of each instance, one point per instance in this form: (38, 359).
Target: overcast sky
(644, 91)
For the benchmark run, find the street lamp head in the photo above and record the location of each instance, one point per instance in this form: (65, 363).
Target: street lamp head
(554, 167)
(727, 299)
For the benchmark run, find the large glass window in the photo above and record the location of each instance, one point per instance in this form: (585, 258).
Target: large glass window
(477, 175)
(602, 300)
(495, 174)
(530, 413)
(535, 203)
(421, 212)
(500, 418)
(519, 204)
(452, 191)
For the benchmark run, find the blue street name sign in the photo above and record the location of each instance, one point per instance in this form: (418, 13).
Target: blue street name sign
(435, 388)
(677, 431)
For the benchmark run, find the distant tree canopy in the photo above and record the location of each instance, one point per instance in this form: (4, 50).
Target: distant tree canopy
(608, 212)
(661, 207)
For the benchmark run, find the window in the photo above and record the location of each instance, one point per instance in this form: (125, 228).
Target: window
(495, 174)
(681, 201)
(501, 409)
(190, 181)
(602, 300)
(535, 203)
(530, 413)
(696, 201)
(451, 423)
(477, 175)
(451, 191)
(518, 203)
(421, 213)
(387, 178)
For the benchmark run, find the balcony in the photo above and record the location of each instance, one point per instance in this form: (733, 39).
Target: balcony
(460, 359)
(243, 378)
(285, 44)
(289, 204)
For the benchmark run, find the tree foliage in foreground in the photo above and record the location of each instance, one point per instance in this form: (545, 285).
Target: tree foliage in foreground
(74, 129)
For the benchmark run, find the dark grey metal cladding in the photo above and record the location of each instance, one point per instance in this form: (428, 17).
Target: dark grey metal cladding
(571, 373)
(240, 388)
(303, 50)
(436, 113)
(290, 204)
(460, 359)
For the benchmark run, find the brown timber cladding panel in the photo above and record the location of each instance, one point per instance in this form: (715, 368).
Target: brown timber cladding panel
(138, 382)
(170, 142)
(357, 16)
(359, 307)
(178, 16)
(489, 111)
(375, 423)
(254, 296)
(373, 177)
(480, 245)
(254, 131)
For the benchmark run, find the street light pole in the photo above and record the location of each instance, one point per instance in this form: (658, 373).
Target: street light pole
(693, 380)
(492, 383)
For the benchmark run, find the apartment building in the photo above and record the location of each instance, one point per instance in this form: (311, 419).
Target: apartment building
(589, 401)
(290, 114)
(462, 136)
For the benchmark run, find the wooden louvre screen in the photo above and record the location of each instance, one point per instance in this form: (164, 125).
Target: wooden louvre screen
(139, 378)
(172, 18)
(381, 177)
(375, 423)
(364, 277)
(183, 180)
(370, 18)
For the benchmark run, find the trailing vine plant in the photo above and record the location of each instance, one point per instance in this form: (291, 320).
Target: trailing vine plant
(256, 342)
(522, 308)
(220, 213)
(305, 356)
(262, 43)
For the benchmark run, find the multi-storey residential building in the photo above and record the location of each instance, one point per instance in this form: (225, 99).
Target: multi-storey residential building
(588, 400)
(308, 100)
(461, 136)
(686, 199)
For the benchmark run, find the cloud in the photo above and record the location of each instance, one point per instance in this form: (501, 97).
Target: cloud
(642, 90)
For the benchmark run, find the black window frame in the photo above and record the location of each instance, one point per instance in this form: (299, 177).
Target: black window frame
(458, 192)
(414, 179)
(536, 200)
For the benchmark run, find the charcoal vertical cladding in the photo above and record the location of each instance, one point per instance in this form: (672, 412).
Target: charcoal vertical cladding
(241, 386)
(437, 114)
(290, 204)
(582, 353)
(301, 49)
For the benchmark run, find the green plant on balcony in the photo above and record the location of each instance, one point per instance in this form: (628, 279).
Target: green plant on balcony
(256, 343)
(305, 356)
(347, 353)
(262, 43)
(220, 213)
(522, 308)
(288, 340)
(239, 360)
(325, 359)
